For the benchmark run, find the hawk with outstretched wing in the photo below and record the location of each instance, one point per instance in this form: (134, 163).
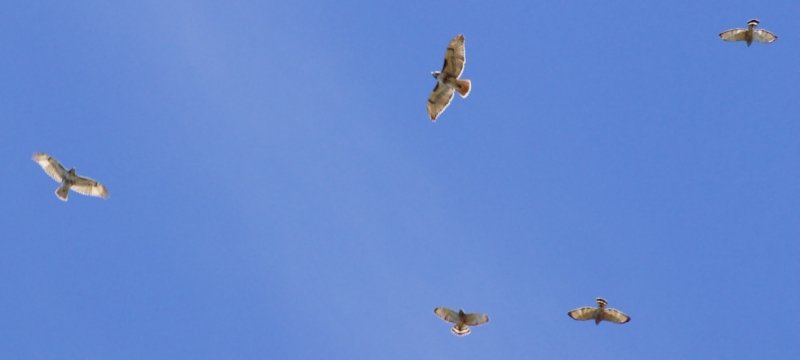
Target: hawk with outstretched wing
(461, 320)
(447, 80)
(68, 178)
(749, 34)
(600, 313)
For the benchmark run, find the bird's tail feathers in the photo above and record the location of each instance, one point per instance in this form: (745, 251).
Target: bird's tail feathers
(62, 192)
(464, 86)
(460, 330)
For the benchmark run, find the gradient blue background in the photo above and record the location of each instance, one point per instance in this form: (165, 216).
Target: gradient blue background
(277, 191)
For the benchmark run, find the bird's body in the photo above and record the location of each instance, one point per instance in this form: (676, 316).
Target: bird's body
(749, 34)
(69, 179)
(461, 320)
(600, 313)
(452, 82)
(447, 80)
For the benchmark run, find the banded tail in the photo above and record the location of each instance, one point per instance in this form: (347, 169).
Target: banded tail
(460, 329)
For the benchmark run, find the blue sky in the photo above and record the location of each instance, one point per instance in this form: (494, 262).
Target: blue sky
(277, 191)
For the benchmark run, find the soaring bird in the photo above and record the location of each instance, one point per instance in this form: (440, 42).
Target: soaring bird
(461, 320)
(749, 34)
(447, 80)
(68, 178)
(600, 313)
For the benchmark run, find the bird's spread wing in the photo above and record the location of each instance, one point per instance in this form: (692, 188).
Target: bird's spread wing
(87, 186)
(475, 319)
(51, 166)
(455, 57)
(584, 313)
(764, 36)
(733, 35)
(439, 100)
(447, 314)
(615, 316)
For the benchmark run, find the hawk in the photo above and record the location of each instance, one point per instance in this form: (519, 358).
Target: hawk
(461, 320)
(600, 313)
(749, 34)
(68, 178)
(447, 80)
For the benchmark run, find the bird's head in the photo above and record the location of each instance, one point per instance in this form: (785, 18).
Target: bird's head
(461, 312)
(601, 302)
(71, 171)
(752, 23)
(435, 74)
